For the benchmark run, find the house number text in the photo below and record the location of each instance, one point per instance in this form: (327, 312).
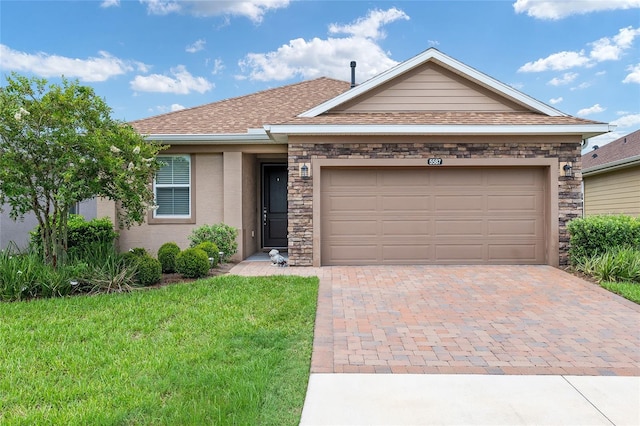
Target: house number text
(434, 161)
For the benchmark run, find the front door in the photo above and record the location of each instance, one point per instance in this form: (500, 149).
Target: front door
(274, 205)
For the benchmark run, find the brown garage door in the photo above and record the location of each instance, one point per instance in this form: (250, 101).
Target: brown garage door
(433, 216)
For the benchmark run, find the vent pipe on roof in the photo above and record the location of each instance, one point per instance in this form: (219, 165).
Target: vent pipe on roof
(353, 74)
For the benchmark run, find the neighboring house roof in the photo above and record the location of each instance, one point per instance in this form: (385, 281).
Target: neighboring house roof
(622, 152)
(239, 115)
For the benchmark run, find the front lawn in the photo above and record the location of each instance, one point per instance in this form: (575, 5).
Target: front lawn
(628, 290)
(226, 350)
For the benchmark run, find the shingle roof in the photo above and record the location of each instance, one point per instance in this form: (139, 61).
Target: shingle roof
(626, 147)
(237, 115)
(439, 118)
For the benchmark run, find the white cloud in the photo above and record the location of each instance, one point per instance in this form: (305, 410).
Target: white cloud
(604, 49)
(180, 82)
(371, 25)
(92, 69)
(557, 61)
(566, 78)
(554, 9)
(110, 3)
(630, 120)
(177, 107)
(634, 75)
(327, 57)
(582, 86)
(196, 46)
(218, 66)
(555, 101)
(252, 9)
(591, 110)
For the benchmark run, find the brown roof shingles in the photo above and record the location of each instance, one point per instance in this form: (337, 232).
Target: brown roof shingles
(438, 118)
(625, 147)
(237, 115)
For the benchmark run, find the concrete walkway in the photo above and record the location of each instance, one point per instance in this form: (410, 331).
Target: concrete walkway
(475, 344)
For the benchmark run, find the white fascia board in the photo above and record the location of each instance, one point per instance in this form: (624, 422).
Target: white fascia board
(614, 165)
(585, 130)
(450, 63)
(214, 139)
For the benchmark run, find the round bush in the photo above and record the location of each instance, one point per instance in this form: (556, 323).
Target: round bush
(192, 263)
(149, 270)
(167, 256)
(212, 251)
(224, 236)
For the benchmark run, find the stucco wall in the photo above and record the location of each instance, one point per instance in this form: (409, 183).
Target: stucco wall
(17, 232)
(209, 209)
(306, 149)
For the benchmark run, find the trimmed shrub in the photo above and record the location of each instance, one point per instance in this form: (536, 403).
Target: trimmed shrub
(149, 270)
(138, 251)
(212, 251)
(192, 263)
(594, 235)
(224, 236)
(167, 256)
(81, 233)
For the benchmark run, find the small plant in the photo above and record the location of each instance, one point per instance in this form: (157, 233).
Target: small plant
(614, 265)
(149, 270)
(224, 236)
(192, 263)
(212, 251)
(167, 256)
(138, 251)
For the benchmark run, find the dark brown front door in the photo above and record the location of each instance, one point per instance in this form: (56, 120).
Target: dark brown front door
(274, 205)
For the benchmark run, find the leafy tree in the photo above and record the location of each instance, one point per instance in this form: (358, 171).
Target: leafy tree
(58, 146)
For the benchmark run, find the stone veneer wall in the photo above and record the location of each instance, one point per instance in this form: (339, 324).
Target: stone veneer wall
(300, 191)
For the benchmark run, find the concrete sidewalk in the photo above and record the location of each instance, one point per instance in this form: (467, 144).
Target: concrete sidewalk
(464, 399)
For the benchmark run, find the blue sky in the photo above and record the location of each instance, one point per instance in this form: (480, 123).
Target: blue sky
(149, 57)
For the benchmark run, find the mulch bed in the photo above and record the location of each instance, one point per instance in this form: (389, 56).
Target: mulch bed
(176, 278)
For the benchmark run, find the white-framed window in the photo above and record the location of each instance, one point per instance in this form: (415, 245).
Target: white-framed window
(172, 187)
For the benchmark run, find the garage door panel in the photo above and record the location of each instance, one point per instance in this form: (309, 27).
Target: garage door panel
(352, 228)
(402, 228)
(341, 204)
(522, 253)
(459, 253)
(406, 254)
(512, 178)
(434, 215)
(458, 203)
(352, 254)
(458, 227)
(456, 177)
(407, 203)
(407, 178)
(518, 227)
(514, 202)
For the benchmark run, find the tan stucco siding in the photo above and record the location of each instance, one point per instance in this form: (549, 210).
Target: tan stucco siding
(612, 193)
(250, 200)
(208, 201)
(430, 88)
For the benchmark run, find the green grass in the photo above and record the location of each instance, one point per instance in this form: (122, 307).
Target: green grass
(627, 290)
(227, 351)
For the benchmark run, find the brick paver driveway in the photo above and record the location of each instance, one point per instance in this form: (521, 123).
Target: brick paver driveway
(467, 319)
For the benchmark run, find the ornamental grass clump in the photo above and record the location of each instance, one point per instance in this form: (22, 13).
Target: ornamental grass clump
(167, 256)
(192, 263)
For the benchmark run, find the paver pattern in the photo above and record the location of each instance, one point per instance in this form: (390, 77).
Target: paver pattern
(467, 319)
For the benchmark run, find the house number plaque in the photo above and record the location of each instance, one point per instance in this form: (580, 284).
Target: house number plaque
(434, 161)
